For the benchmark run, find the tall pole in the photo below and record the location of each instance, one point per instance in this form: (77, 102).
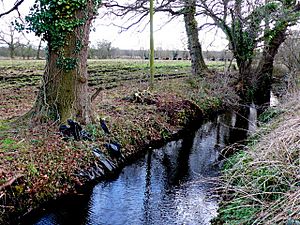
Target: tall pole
(151, 46)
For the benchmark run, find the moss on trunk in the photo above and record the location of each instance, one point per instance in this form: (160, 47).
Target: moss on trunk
(198, 65)
(64, 90)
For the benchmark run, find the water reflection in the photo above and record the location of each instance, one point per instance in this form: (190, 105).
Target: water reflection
(274, 101)
(168, 186)
(252, 118)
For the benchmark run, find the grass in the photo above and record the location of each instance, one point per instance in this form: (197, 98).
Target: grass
(261, 184)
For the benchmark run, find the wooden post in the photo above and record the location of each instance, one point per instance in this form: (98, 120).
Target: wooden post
(151, 46)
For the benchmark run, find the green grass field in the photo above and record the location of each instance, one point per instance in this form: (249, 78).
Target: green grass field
(20, 73)
(20, 79)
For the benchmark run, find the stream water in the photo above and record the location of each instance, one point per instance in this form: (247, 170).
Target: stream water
(169, 185)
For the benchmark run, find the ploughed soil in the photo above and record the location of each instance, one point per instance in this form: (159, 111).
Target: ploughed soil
(37, 165)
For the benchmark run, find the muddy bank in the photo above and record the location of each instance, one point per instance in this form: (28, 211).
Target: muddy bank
(108, 163)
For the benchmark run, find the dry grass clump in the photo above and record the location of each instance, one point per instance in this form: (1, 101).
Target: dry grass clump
(262, 184)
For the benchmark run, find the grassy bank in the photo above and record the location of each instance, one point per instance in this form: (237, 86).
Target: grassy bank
(37, 165)
(261, 184)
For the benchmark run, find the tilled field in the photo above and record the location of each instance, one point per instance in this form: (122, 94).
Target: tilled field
(20, 79)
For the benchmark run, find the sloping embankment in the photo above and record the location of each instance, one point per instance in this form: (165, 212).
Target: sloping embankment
(37, 166)
(261, 184)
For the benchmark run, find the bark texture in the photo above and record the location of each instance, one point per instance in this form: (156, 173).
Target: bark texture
(64, 93)
(198, 65)
(264, 71)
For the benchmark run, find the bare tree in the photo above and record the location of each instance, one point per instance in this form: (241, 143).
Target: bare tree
(104, 49)
(135, 12)
(289, 56)
(244, 24)
(191, 26)
(11, 38)
(38, 52)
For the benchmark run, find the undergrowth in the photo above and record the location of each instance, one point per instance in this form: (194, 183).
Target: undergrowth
(261, 183)
(37, 165)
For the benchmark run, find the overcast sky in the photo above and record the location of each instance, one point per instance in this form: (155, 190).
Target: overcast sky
(170, 36)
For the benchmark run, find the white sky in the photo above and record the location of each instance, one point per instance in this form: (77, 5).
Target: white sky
(171, 36)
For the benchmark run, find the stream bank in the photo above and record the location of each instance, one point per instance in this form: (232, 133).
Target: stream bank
(49, 167)
(260, 183)
(169, 185)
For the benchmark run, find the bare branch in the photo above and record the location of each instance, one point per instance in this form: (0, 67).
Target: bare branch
(135, 12)
(97, 92)
(14, 8)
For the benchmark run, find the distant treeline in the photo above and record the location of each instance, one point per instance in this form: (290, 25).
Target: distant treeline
(22, 52)
(107, 52)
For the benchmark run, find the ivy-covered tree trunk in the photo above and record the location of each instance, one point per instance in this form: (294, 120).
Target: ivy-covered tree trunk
(264, 71)
(64, 93)
(198, 65)
(64, 90)
(245, 31)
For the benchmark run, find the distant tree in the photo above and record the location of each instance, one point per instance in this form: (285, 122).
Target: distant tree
(26, 51)
(104, 49)
(29, 53)
(11, 38)
(38, 52)
(4, 52)
(142, 53)
(22, 51)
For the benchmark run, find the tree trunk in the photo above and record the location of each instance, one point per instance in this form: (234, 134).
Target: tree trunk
(263, 75)
(244, 85)
(64, 92)
(38, 53)
(11, 51)
(151, 46)
(198, 65)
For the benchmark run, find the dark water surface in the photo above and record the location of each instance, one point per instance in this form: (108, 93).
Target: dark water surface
(168, 186)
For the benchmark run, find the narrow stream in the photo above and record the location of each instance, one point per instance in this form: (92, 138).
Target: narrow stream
(169, 185)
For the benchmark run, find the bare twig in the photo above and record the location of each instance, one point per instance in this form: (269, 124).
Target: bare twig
(97, 92)
(14, 8)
